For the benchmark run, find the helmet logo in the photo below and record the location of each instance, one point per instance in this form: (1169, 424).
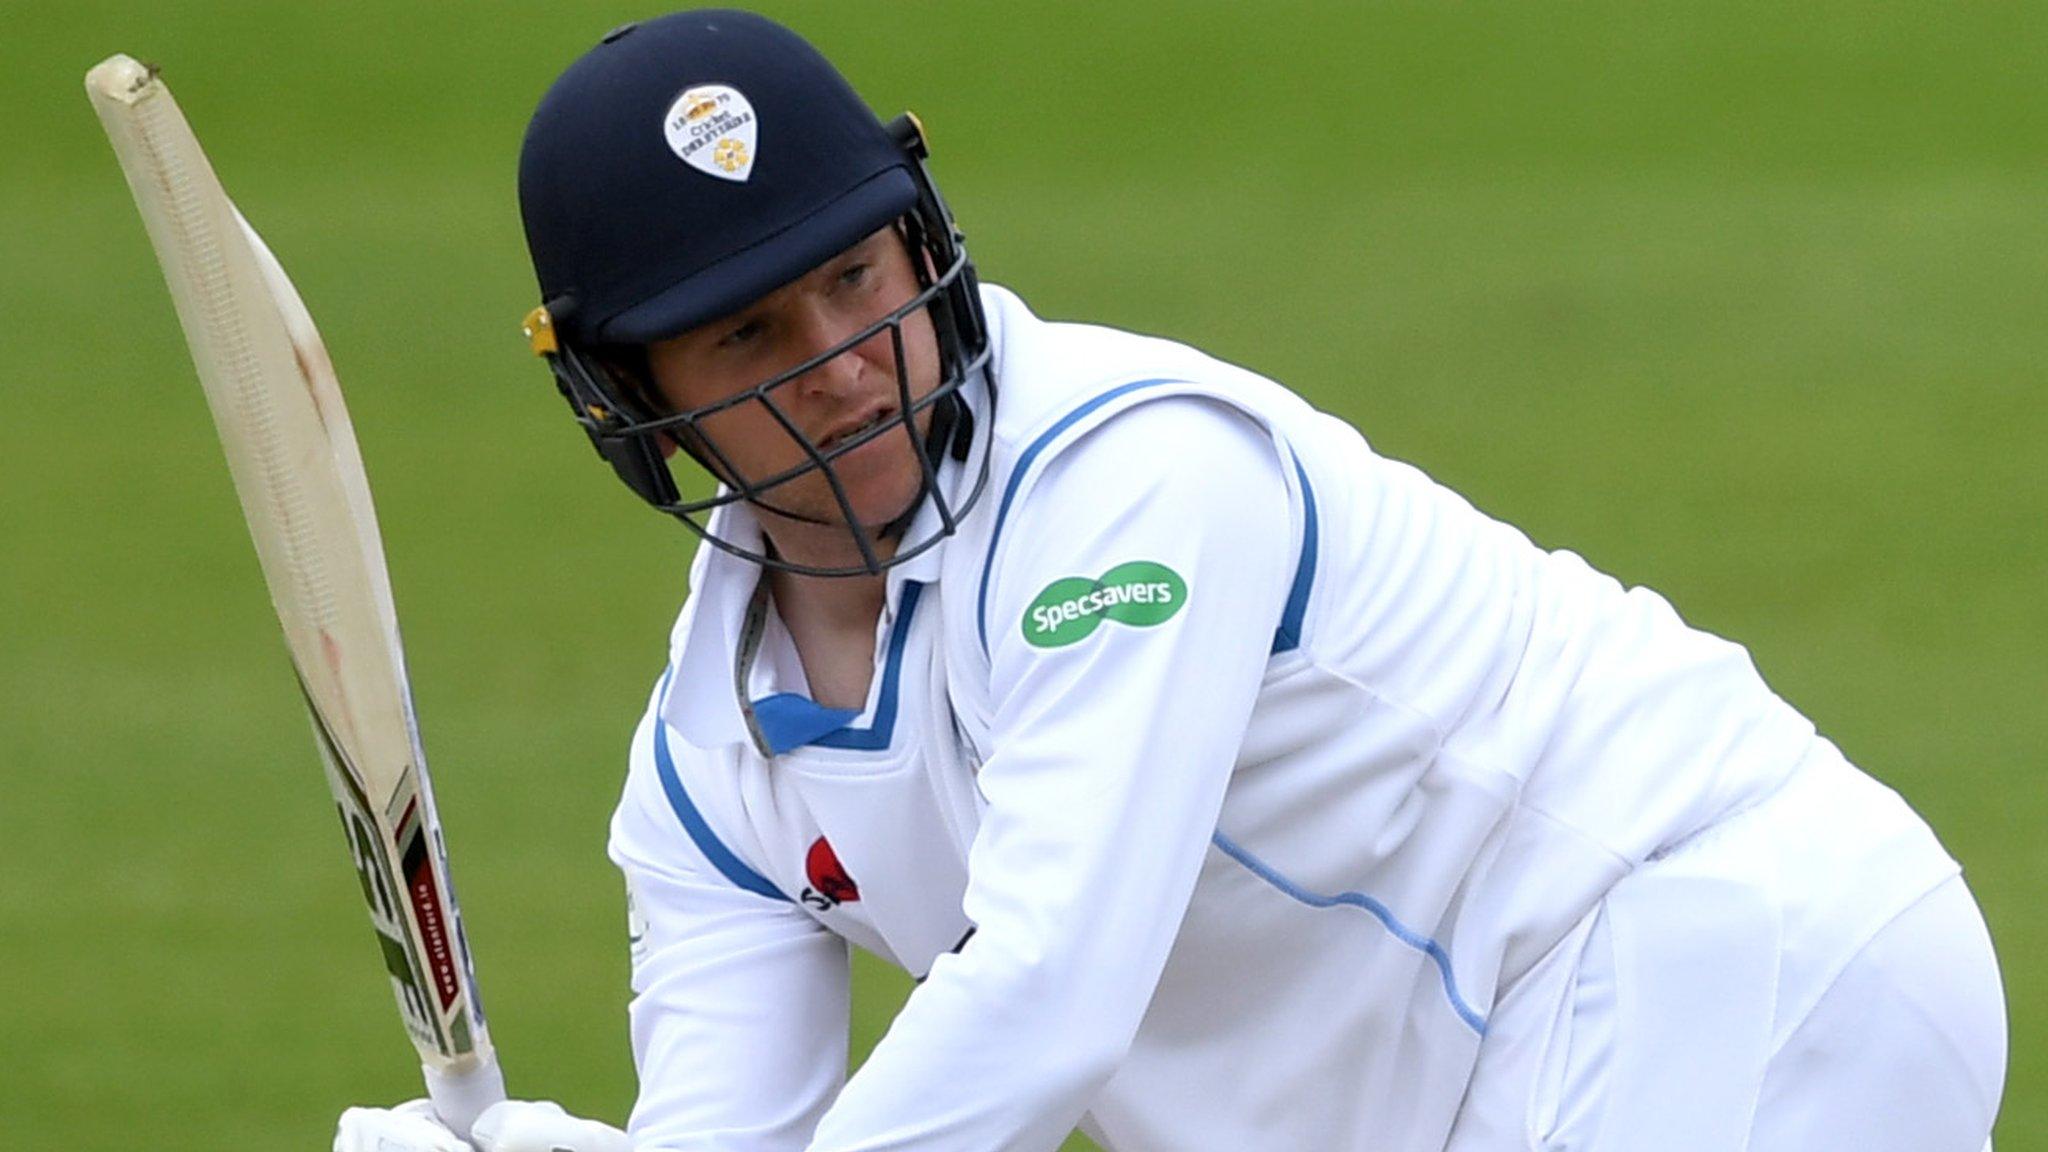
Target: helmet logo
(711, 128)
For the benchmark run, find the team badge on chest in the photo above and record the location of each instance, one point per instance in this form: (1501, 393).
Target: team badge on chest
(830, 886)
(711, 127)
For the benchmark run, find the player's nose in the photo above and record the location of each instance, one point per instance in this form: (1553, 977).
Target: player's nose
(846, 365)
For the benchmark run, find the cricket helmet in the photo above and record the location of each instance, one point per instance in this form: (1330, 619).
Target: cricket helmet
(689, 165)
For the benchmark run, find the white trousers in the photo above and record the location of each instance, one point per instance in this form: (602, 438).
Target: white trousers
(1813, 978)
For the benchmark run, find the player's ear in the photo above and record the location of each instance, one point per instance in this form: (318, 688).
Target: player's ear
(628, 365)
(686, 438)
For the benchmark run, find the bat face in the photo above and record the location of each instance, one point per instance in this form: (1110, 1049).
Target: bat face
(299, 475)
(418, 933)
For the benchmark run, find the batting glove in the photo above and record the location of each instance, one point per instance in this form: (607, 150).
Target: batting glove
(410, 1127)
(510, 1126)
(542, 1126)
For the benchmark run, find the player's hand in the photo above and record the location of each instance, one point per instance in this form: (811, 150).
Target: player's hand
(510, 1126)
(410, 1127)
(542, 1126)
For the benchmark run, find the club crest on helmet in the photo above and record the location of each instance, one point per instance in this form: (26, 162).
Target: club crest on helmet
(712, 128)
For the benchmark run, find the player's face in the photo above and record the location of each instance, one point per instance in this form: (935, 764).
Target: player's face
(852, 391)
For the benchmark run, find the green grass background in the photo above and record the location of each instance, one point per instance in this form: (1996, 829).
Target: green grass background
(1742, 301)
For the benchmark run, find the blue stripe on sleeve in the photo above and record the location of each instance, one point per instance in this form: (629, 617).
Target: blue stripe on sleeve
(1023, 468)
(1285, 639)
(707, 841)
(1288, 637)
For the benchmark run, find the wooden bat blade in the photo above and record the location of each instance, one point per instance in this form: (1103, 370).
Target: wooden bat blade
(299, 476)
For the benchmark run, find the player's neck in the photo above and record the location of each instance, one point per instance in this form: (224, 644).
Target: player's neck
(832, 620)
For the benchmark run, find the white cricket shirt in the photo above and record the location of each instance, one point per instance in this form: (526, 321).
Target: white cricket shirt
(1216, 778)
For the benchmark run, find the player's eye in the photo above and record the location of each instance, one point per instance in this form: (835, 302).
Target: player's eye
(744, 332)
(853, 275)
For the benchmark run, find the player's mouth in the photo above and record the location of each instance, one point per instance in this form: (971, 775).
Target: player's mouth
(848, 432)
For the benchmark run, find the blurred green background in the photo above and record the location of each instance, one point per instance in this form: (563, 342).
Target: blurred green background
(1742, 301)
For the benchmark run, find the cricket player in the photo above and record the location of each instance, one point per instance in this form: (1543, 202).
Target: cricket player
(1225, 785)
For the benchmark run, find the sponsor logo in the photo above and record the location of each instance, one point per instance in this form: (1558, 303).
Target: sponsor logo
(1139, 594)
(830, 885)
(711, 127)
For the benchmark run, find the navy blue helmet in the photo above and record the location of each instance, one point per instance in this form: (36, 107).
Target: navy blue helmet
(684, 168)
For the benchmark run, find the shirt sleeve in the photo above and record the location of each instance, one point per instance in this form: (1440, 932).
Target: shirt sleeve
(740, 1000)
(1130, 620)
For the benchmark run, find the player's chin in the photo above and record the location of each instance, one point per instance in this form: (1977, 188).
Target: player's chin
(881, 479)
(879, 501)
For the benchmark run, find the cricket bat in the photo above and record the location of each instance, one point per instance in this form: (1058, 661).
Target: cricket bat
(300, 478)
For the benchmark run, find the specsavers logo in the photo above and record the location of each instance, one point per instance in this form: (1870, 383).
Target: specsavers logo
(1138, 594)
(712, 128)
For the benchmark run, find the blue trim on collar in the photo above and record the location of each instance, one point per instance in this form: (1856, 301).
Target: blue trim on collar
(788, 721)
(707, 841)
(1023, 467)
(1379, 911)
(1288, 637)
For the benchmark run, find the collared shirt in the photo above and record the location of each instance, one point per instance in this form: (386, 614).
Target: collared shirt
(1215, 778)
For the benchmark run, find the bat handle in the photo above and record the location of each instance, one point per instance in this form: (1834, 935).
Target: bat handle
(461, 1094)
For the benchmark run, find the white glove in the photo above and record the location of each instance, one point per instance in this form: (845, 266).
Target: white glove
(510, 1126)
(542, 1126)
(410, 1127)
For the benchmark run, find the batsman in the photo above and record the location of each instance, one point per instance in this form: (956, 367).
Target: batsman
(1225, 785)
